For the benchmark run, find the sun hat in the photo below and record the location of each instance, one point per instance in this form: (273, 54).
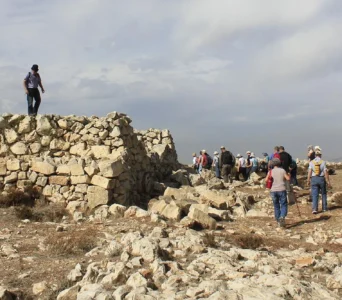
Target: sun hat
(35, 68)
(194, 154)
(215, 153)
(203, 151)
(239, 155)
(318, 148)
(318, 152)
(222, 147)
(248, 152)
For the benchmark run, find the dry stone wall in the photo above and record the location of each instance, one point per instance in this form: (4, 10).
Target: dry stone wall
(84, 161)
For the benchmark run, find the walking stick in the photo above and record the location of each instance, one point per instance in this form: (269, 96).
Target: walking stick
(295, 198)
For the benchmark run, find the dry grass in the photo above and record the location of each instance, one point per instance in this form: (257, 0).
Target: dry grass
(209, 240)
(249, 241)
(17, 197)
(72, 242)
(42, 213)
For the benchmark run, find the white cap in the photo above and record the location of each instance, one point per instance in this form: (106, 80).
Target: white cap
(203, 151)
(215, 153)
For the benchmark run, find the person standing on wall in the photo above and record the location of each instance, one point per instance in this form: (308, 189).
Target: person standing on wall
(31, 83)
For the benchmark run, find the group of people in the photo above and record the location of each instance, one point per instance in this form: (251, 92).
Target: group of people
(227, 166)
(281, 170)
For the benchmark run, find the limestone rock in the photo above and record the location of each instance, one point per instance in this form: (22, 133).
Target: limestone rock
(11, 136)
(43, 168)
(98, 196)
(215, 199)
(117, 210)
(13, 164)
(76, 170)
(136, 280)
(43, 125)
(25, 125)
(13, 177)
(60, 180)
(111, 168)
(39, 288)
(69, 294)
(202, 218)
(102, 182)
(100, 151)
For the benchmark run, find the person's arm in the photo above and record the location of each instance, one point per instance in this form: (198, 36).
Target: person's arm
(287, 176)
(267, 177)
(41, 85)
(309, 176)
(25, 85)
(220, 161)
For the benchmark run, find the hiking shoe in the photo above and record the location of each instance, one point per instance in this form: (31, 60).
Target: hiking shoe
(315, 212)
(282, 222)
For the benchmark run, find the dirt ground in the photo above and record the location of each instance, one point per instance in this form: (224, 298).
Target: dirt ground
(31, 264)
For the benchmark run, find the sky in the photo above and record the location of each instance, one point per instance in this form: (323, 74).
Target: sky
(246, 74)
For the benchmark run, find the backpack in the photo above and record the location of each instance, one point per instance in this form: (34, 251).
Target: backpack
(293, 165)
(209, 159)
(204, 160)
(276, 155)
(317, 167)
(227, 158)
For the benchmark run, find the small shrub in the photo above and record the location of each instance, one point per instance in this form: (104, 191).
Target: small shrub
(17, 197)
(249, 241)
(42, 213)
(209, 240)
(71, 242)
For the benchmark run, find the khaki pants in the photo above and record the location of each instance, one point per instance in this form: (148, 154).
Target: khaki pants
(226, 173)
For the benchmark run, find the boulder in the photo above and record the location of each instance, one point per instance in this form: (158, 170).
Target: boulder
(98, 196)
(76, 170)
(117, 210)
(215, 199)
(69, 294)
(181, 177)
(6, 295)
(11, 136)
(202, 218)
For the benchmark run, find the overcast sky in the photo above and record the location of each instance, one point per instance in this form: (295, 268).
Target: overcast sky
(247, 74)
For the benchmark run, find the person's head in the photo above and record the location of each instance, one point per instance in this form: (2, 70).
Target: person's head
(281, 149)
(276, 162)
(223, 148)
(204, 152)
(194, 154)
(310, 148)
(276, 149)
(248, 153)
(318, 148)
(238, 156)
(318, 153)
(200, 153)
(252, 154)
(216, 153)
(264, 154)
(35, 69)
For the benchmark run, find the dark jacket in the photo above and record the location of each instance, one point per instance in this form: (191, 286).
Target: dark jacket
(226, 158)
(286, 160)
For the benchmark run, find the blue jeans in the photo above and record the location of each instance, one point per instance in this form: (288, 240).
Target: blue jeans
(280, 204)
(33, 94)
(217, 170)
(318, 185)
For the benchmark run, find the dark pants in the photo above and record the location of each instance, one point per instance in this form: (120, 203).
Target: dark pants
(318, 185)
(33, 95)
(226, 172)
(242, 171)
(294, 180)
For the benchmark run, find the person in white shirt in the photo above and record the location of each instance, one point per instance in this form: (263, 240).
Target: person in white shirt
(241, 167)
(195, 162)
(216, 164)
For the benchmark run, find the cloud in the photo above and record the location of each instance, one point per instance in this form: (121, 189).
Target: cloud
(249, 74)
